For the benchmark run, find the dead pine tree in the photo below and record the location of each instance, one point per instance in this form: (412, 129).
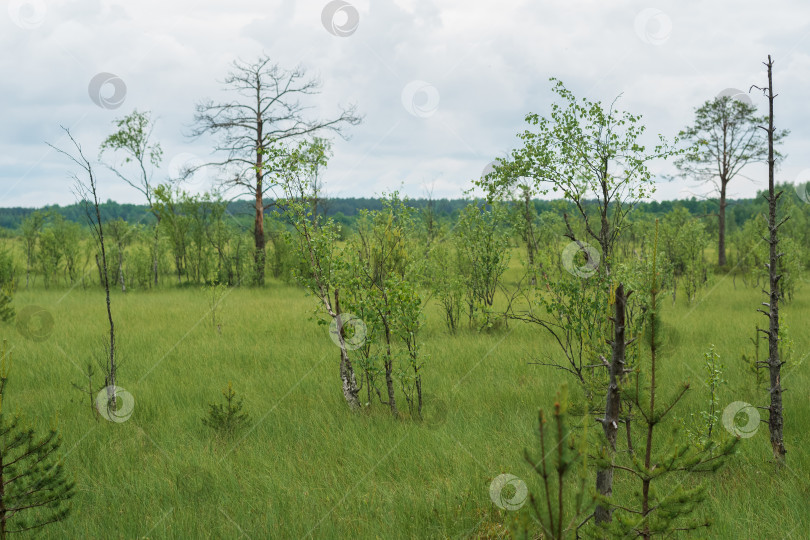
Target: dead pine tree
(87, 193)
(265, 108)
(613, 401)
(775, 417)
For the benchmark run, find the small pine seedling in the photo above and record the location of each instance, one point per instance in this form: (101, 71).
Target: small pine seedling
(7, 312)
(228, 419)
(35, 488)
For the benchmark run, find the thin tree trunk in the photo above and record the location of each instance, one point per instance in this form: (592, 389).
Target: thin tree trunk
(775, 418)
(100, 272)
(347, 376)
(27, 267)
(389, 368)
(348, 379)
(721, 224)
(111, 368)
(610, 423)
(419, 393)
(260, 254)
(121, 268)
(530, 245)
(155, 251)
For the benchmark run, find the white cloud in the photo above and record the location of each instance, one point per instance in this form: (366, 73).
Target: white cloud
(490, 64)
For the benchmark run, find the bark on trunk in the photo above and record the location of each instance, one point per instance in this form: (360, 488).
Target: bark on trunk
(721, 224)
(610, 423)
(121, 269)
(155, 251)
(348, 379)
(100, 273)
(347, 376)
(389, 379)
(259, 256)
(530, 244)
(775, 418)
(111, 367)
(27, 268)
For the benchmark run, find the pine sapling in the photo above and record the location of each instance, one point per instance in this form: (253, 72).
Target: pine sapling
(216, 295)
(563, 461)
(714, 379)
(752, 362)
(661, 511)
(7, 312)
(34, 490)
(90, 390)
(228, 419)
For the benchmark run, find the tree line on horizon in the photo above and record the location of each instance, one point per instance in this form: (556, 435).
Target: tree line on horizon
(344, 209)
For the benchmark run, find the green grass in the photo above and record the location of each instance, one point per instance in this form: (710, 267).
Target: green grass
(310, 467)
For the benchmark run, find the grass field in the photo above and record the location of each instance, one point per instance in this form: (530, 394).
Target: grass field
(309, 467)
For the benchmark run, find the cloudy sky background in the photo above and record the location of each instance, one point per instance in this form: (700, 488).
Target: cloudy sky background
(486, 66)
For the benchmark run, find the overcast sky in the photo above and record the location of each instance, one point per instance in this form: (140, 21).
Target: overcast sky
(443, 86)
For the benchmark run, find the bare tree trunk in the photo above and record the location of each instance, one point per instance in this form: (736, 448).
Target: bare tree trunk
(604, 228)
(721, 224)
(259, 255)
(775, 418)
(348, 379)
(111, 368)
(530, 242)
(86, 190)
(389, 368)
(610, 423)
(155, 251)
(27, 267)
(347, 376)
(258, 226)
(100, 272)
(121, 279)
(419, 393)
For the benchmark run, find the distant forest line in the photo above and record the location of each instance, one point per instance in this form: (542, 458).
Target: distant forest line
(344, 210)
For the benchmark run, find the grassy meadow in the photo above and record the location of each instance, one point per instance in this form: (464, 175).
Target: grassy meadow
(308, 467)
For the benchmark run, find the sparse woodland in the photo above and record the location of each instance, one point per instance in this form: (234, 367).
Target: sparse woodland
(383, 371)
